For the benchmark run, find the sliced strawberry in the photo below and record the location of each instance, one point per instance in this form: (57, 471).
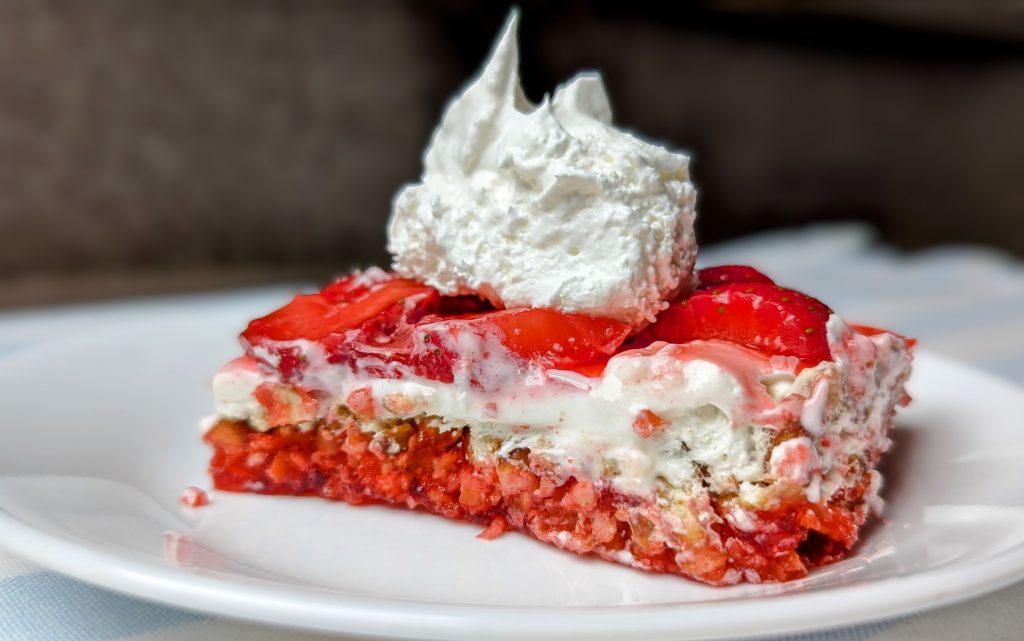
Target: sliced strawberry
(314, 316)
(560, 339)
(549, 337)
(541, 336)
(593, 369)
(380, 321)
(759, 315)
(867, 330)
(726, 274)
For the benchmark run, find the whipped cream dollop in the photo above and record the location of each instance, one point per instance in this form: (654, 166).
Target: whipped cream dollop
(546, 205)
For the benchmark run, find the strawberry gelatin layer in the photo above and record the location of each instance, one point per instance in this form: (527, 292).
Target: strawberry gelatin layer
(411, 463)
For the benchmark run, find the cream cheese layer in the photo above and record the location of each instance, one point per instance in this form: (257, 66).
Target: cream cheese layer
(703, 413)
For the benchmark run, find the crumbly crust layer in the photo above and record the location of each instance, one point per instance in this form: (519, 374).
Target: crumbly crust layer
(410, 462)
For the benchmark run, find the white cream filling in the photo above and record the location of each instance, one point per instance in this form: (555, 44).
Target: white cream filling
(234, 387)
(722, 406)
(585, 425)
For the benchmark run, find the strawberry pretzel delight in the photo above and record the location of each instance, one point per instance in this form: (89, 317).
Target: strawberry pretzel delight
(543, 357)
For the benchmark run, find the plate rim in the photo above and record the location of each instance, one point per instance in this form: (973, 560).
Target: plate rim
(368, 616)
(365, 616)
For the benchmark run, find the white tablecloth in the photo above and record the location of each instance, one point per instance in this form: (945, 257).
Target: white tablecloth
(966, 303)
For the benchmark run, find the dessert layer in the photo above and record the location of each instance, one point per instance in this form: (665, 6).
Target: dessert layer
(415, 464)
(705, 412)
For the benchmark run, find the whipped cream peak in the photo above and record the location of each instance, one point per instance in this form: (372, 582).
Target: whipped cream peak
(546, 205)
(469, 126)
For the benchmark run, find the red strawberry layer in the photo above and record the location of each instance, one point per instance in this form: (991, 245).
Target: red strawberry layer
(761, 315)
(377, 317)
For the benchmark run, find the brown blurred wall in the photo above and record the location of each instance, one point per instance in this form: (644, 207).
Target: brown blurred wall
(159, 144)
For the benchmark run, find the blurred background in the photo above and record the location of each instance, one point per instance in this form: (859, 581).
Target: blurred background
(153, 146)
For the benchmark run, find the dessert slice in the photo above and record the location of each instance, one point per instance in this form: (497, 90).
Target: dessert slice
(543, 358)
(735, 439)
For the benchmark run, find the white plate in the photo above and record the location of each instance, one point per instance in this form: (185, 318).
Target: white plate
(100, 437)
